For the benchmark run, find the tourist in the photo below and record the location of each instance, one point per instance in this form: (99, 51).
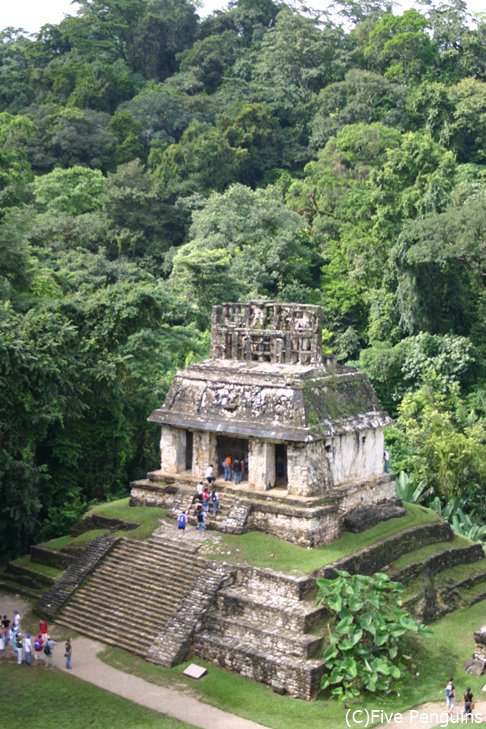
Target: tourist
(49, 646)
(2, 640)
(205, 500)
(227, 466)
(68, 652)
(210, 474)
(28, 650)
(468, 703)
(386, 460)
(199, 490)
(450, 692)
(16, 621)
(38, 647)
(214, 501)
(237, 470)
(43, 629)
(7, 632)
(18, 647)
(201, 521)
(182, 523)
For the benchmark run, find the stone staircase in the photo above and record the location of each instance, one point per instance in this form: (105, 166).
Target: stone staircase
(259, 627)
(231, 515)
(133, 592)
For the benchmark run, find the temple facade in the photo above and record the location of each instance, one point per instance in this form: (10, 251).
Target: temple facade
(309, 432)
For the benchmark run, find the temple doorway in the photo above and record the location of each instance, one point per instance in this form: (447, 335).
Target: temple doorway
(234, 447)
(281, 478)
(189, 449)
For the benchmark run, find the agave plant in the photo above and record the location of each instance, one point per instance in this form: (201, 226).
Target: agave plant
(406, 490)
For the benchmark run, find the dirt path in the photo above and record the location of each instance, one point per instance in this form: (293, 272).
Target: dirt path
(425, 716)
(87, 666)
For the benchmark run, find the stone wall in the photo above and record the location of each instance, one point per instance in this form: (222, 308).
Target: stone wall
(50, 557)
(356, 455)
(377, 556)
(306, 527)
(356, 494)
(172, 449)
(309, 472)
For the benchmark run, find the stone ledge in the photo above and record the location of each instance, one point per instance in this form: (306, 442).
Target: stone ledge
(373, 558)
(99, 521)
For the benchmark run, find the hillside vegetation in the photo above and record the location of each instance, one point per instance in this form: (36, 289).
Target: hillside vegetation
(153, 163)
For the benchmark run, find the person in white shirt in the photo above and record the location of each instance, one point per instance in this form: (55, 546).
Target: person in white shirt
(210, 474)
(28, 650)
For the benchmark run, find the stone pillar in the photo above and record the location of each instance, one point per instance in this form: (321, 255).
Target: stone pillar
(172, 449)
(296, 469)
(261, 464)
(204, 452)
(309, 470)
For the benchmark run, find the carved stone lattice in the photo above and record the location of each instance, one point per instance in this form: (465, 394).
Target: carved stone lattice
(267, 332)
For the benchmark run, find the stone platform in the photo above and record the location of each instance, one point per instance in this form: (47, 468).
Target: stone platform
(309, 521)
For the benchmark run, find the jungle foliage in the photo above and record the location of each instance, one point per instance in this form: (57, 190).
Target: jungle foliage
(153, 162)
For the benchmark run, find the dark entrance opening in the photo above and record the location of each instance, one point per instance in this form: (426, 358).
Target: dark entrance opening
(189, 449)
(281, 464)
(234, 447)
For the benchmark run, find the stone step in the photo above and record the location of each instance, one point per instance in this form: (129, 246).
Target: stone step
(9, 584)
(156, 547)
(378, 556)
(139, 646)
(100, 585)
(300, 678)
(444, 556)
(121, 618)
(172, 580)
(460, 578)
(124, 614)
(255, 581)
(129, 566)
(279, 613)
(29, 576)
(243, 632)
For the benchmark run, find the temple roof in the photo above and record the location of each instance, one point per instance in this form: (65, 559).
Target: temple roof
(292, 402)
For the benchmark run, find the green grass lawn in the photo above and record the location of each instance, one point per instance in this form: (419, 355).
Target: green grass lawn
(264, 550)
(43, 569)
(60, 543)
(147, 516)
(436, 658)
(36, 698)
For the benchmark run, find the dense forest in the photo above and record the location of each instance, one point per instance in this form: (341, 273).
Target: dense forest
(153, 163)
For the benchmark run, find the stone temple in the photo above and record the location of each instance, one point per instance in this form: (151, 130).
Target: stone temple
(310, 432)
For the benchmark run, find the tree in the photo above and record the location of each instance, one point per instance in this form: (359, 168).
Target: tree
(260, 247)
(400, 47)
(76, 190)
(439, 441)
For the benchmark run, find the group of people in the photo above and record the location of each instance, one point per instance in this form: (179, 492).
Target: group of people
(205, 496)
(450, 692)
(26, 647)
(234, 469)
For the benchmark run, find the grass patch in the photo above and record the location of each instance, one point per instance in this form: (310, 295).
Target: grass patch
(59, 543)
(43, 569)
(147, 516)
(37, 698)
(264, 550)
(437, 657)
(422, 554)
